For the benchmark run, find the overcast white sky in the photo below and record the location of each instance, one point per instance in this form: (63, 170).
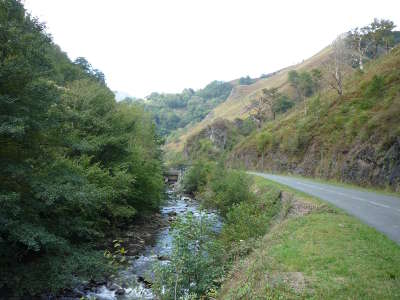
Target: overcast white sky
(167, 45)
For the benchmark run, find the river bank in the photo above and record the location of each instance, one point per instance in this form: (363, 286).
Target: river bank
(147, 242)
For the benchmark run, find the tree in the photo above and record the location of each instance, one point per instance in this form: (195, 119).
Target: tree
(305, 83)
(283, 104)
(316, 75)
(246, 80)
(294, 78)
(264, 105)
(381, 34)
(366, 41)
(74, 164)
(358, 40)
(336, 65)
(302, 82)
(271, 96)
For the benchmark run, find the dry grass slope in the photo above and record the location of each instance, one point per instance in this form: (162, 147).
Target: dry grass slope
(241, 96)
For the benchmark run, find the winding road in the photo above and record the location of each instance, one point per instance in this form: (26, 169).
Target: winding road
(379, 211)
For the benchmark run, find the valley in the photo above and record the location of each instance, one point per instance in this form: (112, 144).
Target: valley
(284, 185)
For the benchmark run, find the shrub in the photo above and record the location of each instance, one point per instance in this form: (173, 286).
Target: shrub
(197, 176)
(250, 219)
(195, 262)
(226, 188)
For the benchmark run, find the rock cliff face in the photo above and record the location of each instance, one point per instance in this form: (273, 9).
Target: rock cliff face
(219, 134)
(368, 163)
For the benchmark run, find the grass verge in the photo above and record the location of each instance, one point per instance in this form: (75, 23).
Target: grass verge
(321, 254)
(378, 190)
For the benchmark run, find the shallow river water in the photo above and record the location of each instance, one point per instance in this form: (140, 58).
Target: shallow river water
(139, 267)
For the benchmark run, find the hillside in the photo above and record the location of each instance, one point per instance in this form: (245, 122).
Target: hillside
(241, 96)
(172, 111)
(354, 138)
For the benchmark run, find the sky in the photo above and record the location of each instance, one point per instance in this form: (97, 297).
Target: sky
(145, 46)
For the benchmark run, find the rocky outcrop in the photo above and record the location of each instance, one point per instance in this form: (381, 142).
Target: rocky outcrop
(220, 134)
(367, 163)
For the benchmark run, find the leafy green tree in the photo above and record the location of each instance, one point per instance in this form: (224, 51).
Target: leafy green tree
(74, 164)
(283, 104)
(381, 34)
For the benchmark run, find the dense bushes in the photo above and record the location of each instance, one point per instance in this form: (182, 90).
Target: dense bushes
(225, 189)
(74, 163)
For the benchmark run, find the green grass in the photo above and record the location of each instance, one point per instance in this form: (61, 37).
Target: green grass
(326, 254)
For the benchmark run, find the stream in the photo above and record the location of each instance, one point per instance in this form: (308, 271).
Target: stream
(129, 283)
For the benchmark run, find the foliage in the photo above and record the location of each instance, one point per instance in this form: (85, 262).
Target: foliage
(226, 188)
(197, 176)
(246, 126)
(246, 80)
(250, 219)
(172, 111)
(283, 104)
(195, 261)
(117, 255)
(305, 83)
(74, 163)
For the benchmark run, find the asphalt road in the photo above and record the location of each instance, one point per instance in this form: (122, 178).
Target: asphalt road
(379, 211)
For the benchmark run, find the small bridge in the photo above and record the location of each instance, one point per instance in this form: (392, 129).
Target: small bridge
(171, 176)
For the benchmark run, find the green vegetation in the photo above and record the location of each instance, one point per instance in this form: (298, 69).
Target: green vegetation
(282, 244)
(225, 189)
(246, 80)
(367, 41)
(172, 111)
(305, 83)
(247, 212)
(324, 253)
(75, 165)
(196, 261)
(365, 119)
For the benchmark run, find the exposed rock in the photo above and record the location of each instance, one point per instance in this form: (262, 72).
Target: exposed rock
(147, 284)
(120, 292)
(364, 163)
(163, 257)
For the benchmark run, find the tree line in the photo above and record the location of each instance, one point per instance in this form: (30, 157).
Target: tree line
(75, 164)
(173, 111)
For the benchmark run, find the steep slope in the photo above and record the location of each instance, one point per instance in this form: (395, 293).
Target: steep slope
(241, 96)
(354, 138)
